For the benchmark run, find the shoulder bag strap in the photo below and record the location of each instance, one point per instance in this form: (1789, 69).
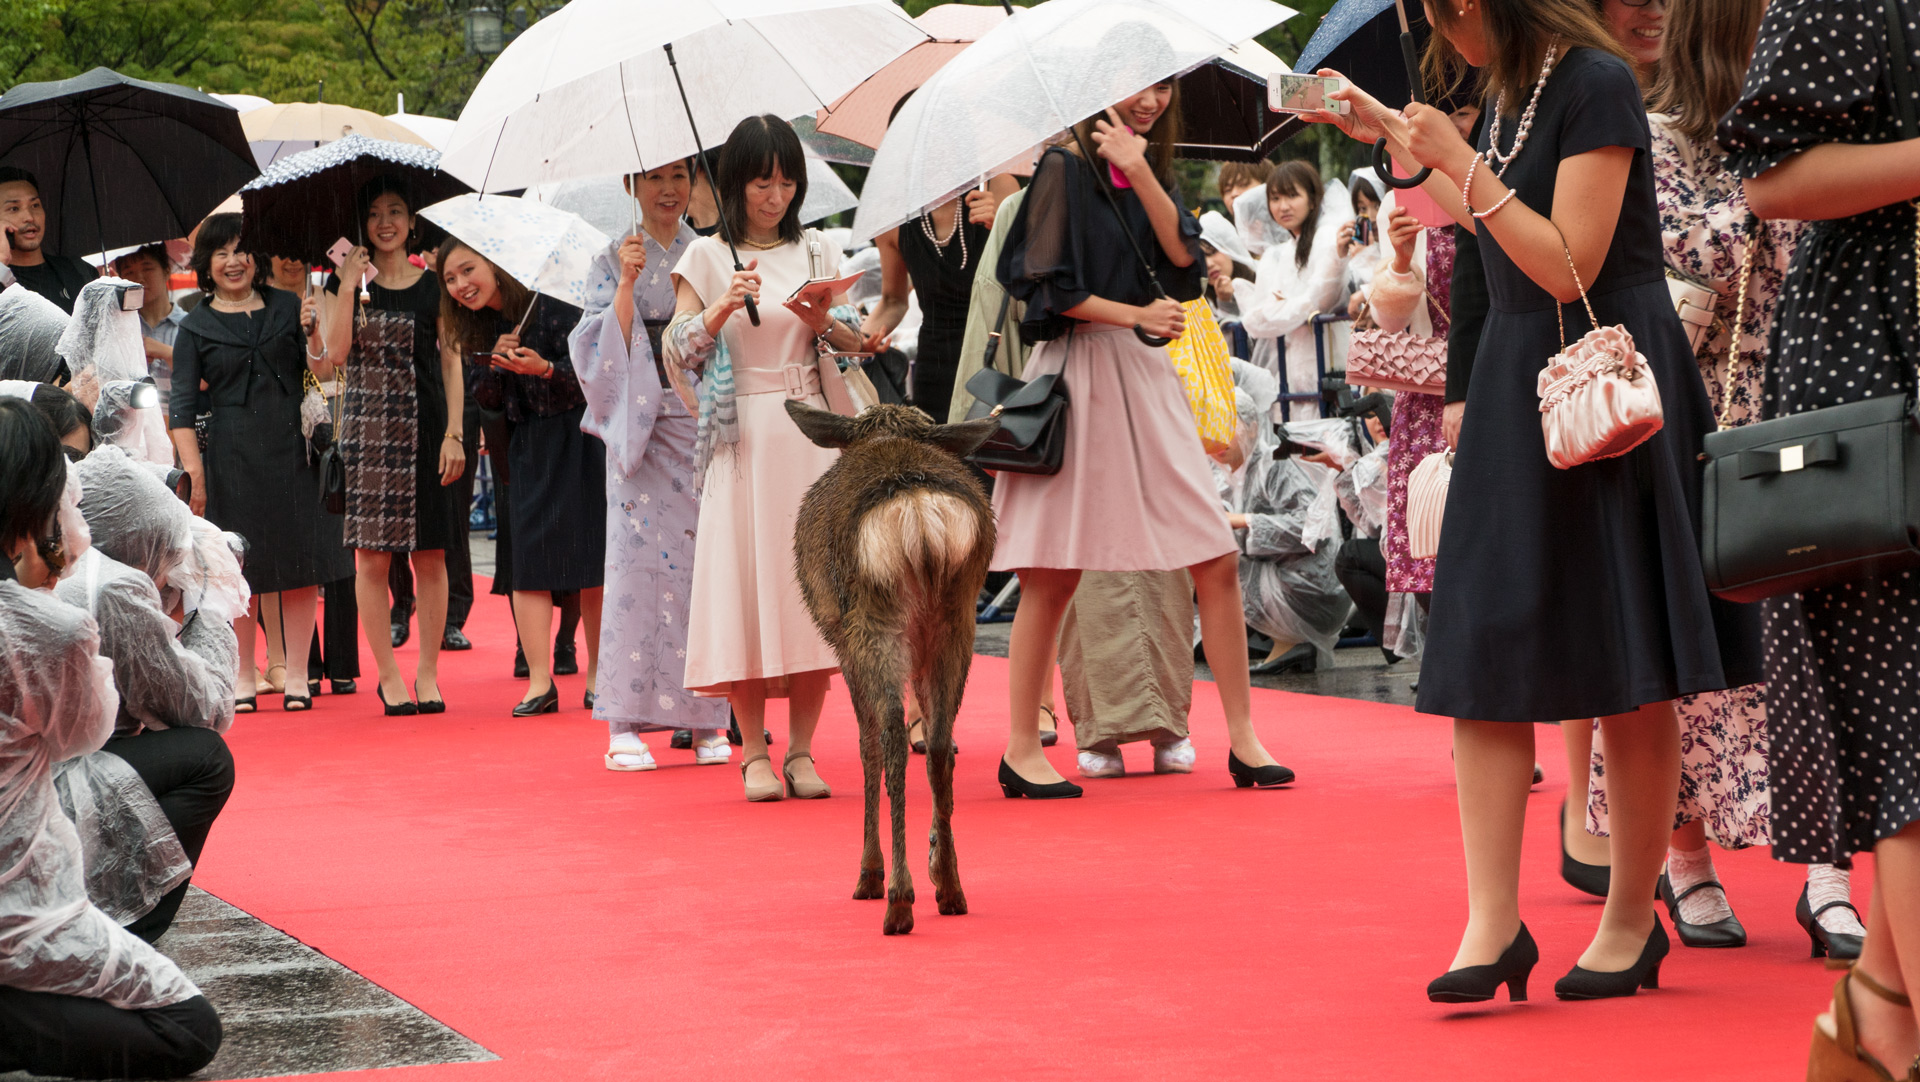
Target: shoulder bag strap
(1755, 234)
(993, 333)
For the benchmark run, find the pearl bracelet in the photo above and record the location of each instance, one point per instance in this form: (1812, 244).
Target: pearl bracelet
(1466, 188)
(1490, 211)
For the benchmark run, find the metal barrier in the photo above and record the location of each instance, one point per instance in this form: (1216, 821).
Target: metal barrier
(1288, 395)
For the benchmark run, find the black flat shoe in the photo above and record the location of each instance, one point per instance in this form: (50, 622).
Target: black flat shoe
(1014, 785)
(401, 632)
(547, 702)
(733, 732)
(1302, 658)
(1477, 984)
(343, 687)
(296, 704)
(1721, 933)
(1643, 973)
(682, 739)
(519, 663)
(1586, 878)
(455, 639)
(1826, 944)
(587, 700)
(396, 710)
(566, 662)
(1260, 777)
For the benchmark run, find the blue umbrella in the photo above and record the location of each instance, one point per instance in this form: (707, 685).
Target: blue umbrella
(1380, 55)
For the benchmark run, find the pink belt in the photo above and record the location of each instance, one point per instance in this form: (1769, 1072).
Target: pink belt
(800, 380)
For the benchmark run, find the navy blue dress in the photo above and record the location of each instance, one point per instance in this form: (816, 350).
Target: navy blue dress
(1563, 594)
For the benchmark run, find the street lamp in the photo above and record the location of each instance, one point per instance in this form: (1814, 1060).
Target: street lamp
(484, 35)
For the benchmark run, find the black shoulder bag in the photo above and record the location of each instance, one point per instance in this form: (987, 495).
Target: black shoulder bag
(1032, 413)
(1823, 497)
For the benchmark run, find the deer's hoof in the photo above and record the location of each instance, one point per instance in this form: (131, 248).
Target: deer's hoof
(954, 905)
(899, 918)
(872, 884)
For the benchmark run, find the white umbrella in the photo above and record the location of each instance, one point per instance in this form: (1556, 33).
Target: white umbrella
(604, 204)
(1033, 76)
(435, 130)
(544, 248)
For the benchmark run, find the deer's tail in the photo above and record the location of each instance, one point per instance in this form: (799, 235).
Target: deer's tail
(916, 535)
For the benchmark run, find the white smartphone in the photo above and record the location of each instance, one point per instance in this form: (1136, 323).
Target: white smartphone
(1290, 93)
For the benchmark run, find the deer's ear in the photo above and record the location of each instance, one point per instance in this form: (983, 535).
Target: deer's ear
(964, 438)
(823, 427)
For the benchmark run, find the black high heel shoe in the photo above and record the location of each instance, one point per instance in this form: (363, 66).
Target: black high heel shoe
(1014, 785)
(1477, 984)
(1591, 879)
(1826, 944)
(547, 702)
(428, 706)
(1643, 973)
(1263, 777)
(1721, 933)
(395, 710)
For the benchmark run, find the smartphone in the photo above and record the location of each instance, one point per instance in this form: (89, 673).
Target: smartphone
(1290, 93)
(338, 253)
(1363, 231)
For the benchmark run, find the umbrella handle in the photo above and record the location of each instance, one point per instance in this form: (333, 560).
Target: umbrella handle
(1152, 340)
(1383, 168)
(753, 310)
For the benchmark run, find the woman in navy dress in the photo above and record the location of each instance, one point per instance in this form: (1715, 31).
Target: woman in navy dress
(1561, 593)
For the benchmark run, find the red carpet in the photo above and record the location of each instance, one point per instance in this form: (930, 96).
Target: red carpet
(584, 924)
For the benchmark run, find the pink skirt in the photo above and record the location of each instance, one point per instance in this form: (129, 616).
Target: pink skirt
(1134, 491)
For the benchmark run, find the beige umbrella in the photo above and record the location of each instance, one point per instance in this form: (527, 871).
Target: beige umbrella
(277, 131)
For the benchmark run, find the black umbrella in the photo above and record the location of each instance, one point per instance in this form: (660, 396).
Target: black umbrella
(1224, 115)
(122, 161)
(302, 204)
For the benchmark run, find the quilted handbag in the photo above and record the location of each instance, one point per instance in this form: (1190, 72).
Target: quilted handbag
(1398, 361)
(1200, 358)
(1427, 503)
(1598, 398)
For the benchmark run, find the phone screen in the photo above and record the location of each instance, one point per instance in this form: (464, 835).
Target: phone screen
(1300, 93)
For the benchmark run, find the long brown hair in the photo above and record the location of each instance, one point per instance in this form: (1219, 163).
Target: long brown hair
(1295, 177)
(1517, 33)
(473, 331)
(1703, 62)
(1160, 138)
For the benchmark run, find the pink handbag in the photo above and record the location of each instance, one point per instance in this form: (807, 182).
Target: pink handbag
(1427, 503)
(1398, 361)
(1598, 398)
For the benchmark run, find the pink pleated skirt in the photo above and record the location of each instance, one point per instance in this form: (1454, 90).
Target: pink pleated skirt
(1134, 491)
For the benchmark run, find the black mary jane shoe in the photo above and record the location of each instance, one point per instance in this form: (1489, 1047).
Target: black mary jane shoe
(547, 702)
(1303, 658)
(1586, 878)
(456, 640)
(1721, 933)
(1257, 777)
(1477, 984)
(1826, 944)
(395, 710)
(1013, 785)
(1643, 973)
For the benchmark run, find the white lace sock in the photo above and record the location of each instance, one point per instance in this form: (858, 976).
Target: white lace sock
(1686, 869)
(1827, 884)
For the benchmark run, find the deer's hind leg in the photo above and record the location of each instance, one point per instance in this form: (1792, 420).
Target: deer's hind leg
(871, 883)
(939, 692)
(893, 748)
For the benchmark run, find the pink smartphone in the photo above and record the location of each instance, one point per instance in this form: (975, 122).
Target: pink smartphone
(1119, 179)
(338, 253)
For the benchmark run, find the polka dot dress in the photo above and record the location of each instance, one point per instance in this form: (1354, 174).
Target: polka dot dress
(1843, 663)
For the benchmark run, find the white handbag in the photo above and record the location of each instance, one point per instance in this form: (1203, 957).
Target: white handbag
(1598, 398)
(1694, 304)
(1427, 503)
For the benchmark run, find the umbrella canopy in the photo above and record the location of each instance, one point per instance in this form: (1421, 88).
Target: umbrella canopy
(1361, 40)
(830, 148)
(544, 248)
(604, 204)
(301, 205)
(588, 91)
(280, 131)
(1038, 73)
(435, 130)
(862, 113)
(122, 161)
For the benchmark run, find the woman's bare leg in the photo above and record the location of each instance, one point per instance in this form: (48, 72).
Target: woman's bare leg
(370, 571)
(1223, 632)
(1493, 771)
(590, 602)
(1045, 594)
(806, 694)
(1891, 954)
(430, 606)
(295, 625)
(533, 618)
(1643, 782)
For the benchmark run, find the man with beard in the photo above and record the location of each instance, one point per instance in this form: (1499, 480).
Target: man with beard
(23, 218)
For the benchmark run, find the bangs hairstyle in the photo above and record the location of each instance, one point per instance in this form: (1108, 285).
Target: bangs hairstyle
(1703, 62)
(215, 233)
(1160, 138)
(756, 147)
(1240, 270)
(468, 330)
(1243, 175)
(35, 476)
(387, 184)
(1300, 178)
(1517, 34)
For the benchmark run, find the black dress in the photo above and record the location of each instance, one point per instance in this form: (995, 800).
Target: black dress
(261, 483)
(1577, 593)
(393, 417)
(558, 495)
(1843, 700)
(943, 281)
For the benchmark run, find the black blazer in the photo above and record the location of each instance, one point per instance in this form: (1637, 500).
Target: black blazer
(230, 359)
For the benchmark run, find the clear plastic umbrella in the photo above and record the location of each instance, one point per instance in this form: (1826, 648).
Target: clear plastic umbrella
(544, 248)
(1036, 74)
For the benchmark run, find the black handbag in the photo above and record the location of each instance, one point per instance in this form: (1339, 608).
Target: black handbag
(1033, 415)
(1822, 497)
(333, 468)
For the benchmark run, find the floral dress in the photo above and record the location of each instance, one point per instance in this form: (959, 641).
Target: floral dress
(1417, 431)
(1706, 230)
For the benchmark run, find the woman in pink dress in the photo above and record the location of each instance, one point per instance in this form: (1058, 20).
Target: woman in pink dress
(749, 636)
(1134, 492)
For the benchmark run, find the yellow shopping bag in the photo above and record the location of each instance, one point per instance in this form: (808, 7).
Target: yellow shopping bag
(1200, 357)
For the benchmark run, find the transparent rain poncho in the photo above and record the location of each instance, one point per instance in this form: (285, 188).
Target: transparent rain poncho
(58, 701)
(102, 344)
(30, 330)
(127, 416)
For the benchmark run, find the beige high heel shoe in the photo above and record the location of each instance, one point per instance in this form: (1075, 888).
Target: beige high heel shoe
(809, 790)
(759, 794)
(1837, 1056)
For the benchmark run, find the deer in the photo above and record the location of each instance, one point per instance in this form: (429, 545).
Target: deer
(891, 549)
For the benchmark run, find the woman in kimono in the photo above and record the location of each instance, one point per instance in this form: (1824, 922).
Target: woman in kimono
(79, 996)
(651, 508)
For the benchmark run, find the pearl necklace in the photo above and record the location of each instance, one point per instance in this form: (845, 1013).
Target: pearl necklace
(221, 304)
(1493, 156)
(959, 212)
